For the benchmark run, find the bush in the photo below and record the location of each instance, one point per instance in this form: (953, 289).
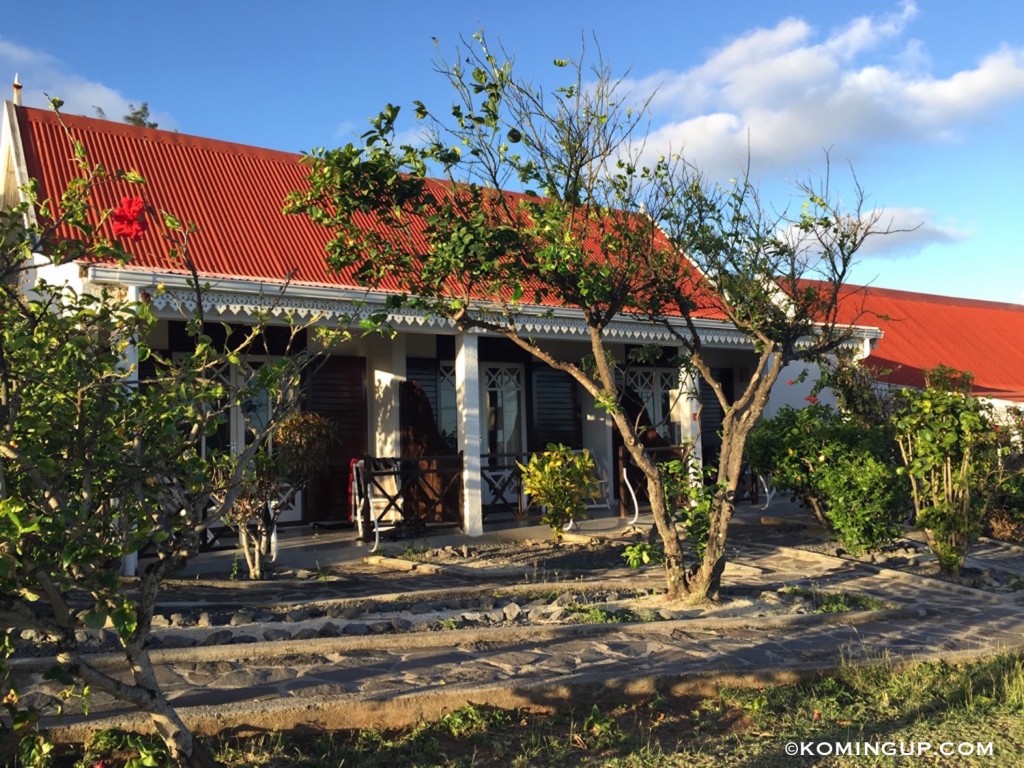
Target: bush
(563, 481)
(951, 455)
(844, 472)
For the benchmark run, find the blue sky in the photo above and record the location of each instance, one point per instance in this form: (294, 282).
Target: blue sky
(924, 99)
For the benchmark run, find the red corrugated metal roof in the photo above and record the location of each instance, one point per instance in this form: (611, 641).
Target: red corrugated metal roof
(922, 331)
(234, 194)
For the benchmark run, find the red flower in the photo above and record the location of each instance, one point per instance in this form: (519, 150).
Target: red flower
(129, 219)
(816, 716)
(811, 399)
(791, 382)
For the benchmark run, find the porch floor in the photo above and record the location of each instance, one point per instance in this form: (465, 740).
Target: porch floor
(312, 546)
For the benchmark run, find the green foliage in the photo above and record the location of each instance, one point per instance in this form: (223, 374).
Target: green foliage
(302, 445)
(950, 454)
(136, 750)
(842, 470)
(600, 731)
(827, 601)
(596, 231)
(138, 116)
(642, 553)
(102, 438)
(563, 481)
(688, 500)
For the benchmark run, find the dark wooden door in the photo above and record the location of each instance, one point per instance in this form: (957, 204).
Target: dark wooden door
(337, 390)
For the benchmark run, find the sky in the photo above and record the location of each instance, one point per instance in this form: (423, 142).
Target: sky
(921, 100)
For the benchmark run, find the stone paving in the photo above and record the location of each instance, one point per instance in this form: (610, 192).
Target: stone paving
(330, 668)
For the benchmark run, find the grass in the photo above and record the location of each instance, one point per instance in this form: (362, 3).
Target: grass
(823, 601)
(880, 702)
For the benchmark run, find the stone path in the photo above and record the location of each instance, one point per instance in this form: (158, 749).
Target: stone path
(338, 666)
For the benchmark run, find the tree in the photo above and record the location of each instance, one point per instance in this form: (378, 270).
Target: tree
(98, 461)
(299, 453)
(136, 116)
(952, 458)
(139, 116)
(595, 229)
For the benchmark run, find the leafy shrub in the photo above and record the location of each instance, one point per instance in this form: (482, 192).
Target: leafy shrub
(563, 481)
(642, 553)
(951, 456)
(844, 472)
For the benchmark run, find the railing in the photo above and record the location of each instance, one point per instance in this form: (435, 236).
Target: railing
(502, 485)
(633, 494)
(501, 482)
(408, 493)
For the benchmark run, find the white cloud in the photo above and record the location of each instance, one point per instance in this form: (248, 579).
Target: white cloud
(911, 230)
(788, 92)
(43, 75)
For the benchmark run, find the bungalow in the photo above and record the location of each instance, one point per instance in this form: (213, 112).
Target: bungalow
(429, 390)
(923, 331)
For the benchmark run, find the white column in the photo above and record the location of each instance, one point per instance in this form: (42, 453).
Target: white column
(686, 406)
(130, 363)
(467, 398)
(388, 366)
(598, 437)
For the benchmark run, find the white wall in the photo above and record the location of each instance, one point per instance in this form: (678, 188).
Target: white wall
(795, 395)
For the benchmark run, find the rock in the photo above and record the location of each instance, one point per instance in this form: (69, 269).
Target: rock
(220, 637)
(178, 641)
(307, 633)
(420, 608)
(83, 636)
(274, 634)
(380, 627)
(330, 629)
(159, 621)
(401, 625)
(240, 618)
(512, 611)
(34, 636)
(302, 573)
(557, 614)
(472, 617)
(180, 620)
(204, 620)
(356, 628)
(242, 640)
(351, 612)
(465, 550)
(298, 614)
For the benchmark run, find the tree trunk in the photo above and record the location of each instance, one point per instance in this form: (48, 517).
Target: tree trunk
(145, 694)
(252, 546)
(707, 581)
(676, 579)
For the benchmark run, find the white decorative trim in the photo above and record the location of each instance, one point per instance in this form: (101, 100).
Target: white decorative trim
(233, 299)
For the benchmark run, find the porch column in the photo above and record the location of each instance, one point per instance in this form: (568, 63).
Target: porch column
(388, 363)
(686, 407)
(130, 363)
(467, 398)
